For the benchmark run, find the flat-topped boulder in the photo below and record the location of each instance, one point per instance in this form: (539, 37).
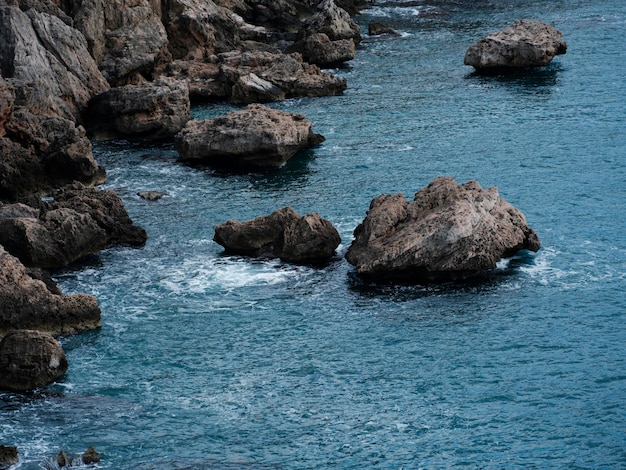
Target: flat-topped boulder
(30, 359)
(447, 232)
(525, 44)
(254, 137)
(283, 234)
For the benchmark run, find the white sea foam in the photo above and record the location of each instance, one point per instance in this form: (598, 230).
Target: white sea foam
(200, 275)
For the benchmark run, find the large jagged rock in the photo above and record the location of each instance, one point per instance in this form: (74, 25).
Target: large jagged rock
(125, 37)
(282, 234)
(525, 44)
(328, 37)
(29, 299)
(48, 78)
(256, 137)
(156, 110)
(448, 232)
(80, 221)
(30, 359)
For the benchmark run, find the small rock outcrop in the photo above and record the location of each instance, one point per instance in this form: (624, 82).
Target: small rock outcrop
(8, 457)
(283, 234)
(29, 299)
(254, 137)
(525, 44)
(448, 232)
(30, 359)
(78, 222)
(378, 29)
(154, 110)
(328, 37)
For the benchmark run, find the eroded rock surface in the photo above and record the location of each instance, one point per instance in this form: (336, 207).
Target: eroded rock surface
(283, 234)
(30, 300)
(256, 137)
(525, 44)
(78, 222)
(447, 232)
(30, 359)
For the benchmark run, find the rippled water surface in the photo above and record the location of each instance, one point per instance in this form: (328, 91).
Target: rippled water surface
(213, 361)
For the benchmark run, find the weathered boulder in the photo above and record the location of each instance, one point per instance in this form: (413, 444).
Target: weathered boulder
(526, 43)
(448, 232)
(80, 221)
(256, 137)
(328, 37)
(8, 457)
(125, 37)
(282, 234)
(31, 300)
(156, 110)
(30, 359)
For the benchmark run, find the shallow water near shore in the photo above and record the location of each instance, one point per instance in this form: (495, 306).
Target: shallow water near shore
(212, 361)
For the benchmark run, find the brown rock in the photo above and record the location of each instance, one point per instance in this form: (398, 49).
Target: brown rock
(8, 457)
(154, 110)
(378, 29)
(253, 89)
(30, 359)
(256, 136)
(26, 302)
(282, 234)
(324, 38)
(90, 456)
(524, 44)
(80, 221)
(448, 232)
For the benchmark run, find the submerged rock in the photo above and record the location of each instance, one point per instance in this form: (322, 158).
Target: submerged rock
(526, 43)
(448, 232)
(31, 300)
(378, 29)
(283, 234)
(256, 137)
(30, 359)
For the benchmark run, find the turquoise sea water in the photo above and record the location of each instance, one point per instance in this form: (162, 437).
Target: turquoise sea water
(212, 361)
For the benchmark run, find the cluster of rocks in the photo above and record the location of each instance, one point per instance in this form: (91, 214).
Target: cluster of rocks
(448, 232)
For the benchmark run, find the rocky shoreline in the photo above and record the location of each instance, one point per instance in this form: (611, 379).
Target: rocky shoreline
(75, 71)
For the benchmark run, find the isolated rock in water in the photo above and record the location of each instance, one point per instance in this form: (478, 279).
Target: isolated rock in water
(256, 136)
(328, 37)
(155, 110)
(150, 195)
(34, 301)
(8, 457)
(90, 456)
(526, 43)
(80, 221)
(282, 234)
(30, 359)
(378, 29)
(448, 232)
